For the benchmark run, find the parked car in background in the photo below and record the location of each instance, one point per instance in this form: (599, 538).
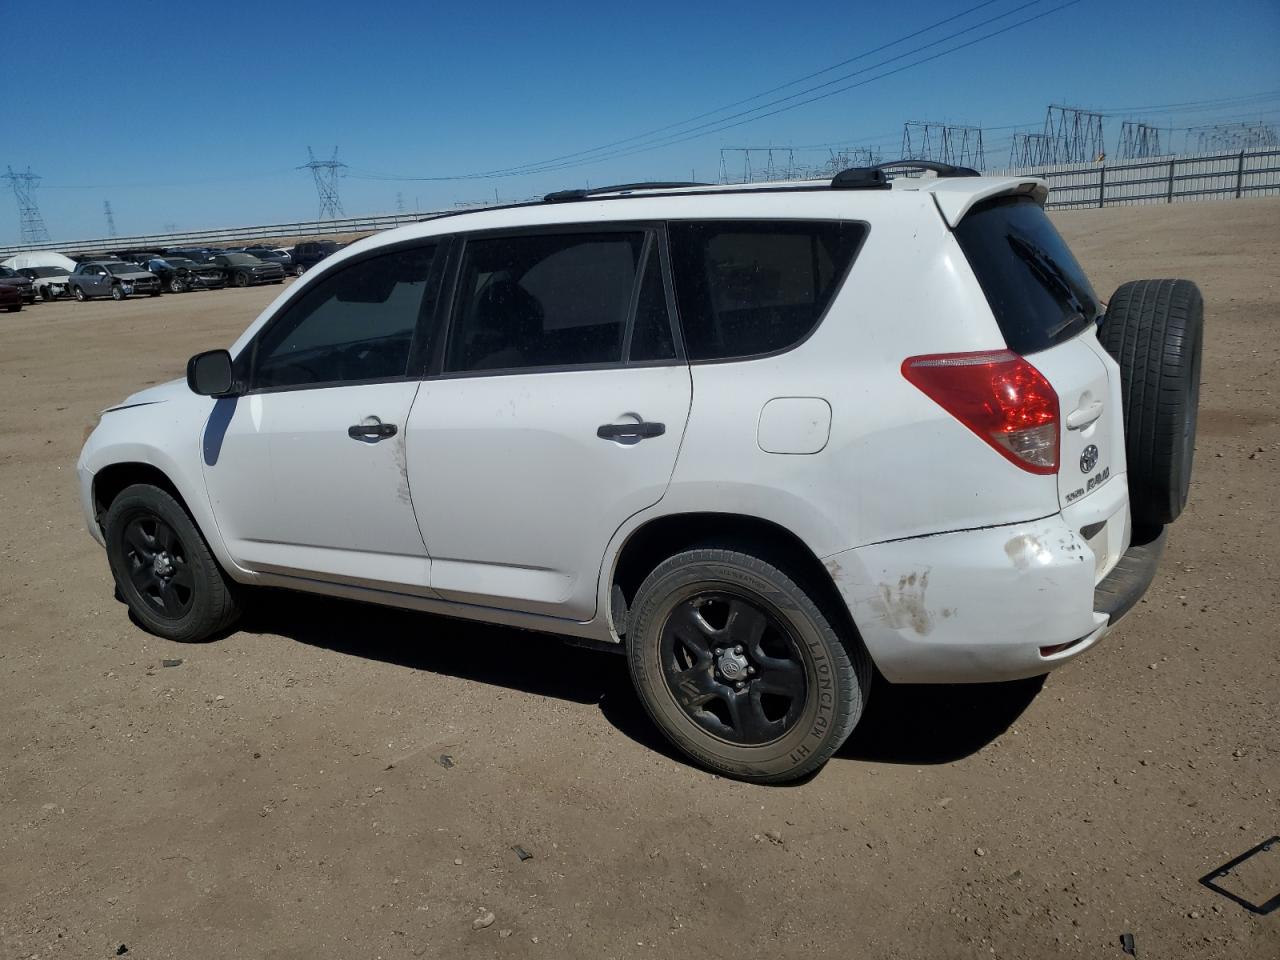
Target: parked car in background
(49, 282)
(307, 255)
(198, 254)
(178, 274)
(13, 278)
(246, 270)
(10, 297)
(271, 255)
(112, 278)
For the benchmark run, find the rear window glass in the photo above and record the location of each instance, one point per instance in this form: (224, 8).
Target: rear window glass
(746, 288)
(1037, 290)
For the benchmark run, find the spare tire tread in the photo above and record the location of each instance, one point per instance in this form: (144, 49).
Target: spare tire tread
(1153, 330)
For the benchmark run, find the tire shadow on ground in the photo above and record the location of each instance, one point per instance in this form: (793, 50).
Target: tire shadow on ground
(909, 724)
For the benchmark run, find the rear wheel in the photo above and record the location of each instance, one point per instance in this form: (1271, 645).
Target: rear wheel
(163, 568)
(1155, 331)
(741, 669)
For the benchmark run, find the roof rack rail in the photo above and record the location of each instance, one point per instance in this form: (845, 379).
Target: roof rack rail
(560, 196)
(941, 169)
(860, 178)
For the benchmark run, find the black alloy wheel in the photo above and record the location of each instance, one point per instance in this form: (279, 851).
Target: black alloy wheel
(735, 669)
(242, 279)
(157, 566)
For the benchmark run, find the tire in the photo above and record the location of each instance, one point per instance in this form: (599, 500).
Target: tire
(241, 279)
(1154, 329)
(117, 292)
(79, 294)
(176, 285)
(685, 672)
(299, 269)
(192, 600)
(15, 308)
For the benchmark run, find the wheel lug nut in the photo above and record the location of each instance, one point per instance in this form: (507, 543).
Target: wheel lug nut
(719, 650)
(751, 671)
(739, 686)
(737, 649)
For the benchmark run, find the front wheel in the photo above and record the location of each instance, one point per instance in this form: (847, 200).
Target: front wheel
(163, 568)
(79, 294)
(176, 285)
(242, 280)
(741, 668)
(117, 292)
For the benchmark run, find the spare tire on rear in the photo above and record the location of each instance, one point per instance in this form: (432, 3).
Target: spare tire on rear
(1155, 330)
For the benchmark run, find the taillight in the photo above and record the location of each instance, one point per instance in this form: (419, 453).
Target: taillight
(1000, 397)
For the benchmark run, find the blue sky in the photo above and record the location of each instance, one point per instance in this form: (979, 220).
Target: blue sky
(197, 115)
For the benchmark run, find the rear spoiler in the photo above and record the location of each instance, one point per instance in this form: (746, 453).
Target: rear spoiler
(955, 198)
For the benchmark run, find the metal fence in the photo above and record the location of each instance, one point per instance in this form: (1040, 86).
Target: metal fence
(241, 235)
(1247, 173)
(1207, 176)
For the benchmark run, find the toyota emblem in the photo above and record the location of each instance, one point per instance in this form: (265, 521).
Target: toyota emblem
(1089, 459)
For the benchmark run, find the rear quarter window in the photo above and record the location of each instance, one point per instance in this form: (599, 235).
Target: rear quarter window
(1036, 288)
(746, 288)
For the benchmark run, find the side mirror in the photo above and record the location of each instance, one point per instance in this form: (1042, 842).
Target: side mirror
(209, 373)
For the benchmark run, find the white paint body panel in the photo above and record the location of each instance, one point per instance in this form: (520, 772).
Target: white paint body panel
(516, 494)
(516, 512)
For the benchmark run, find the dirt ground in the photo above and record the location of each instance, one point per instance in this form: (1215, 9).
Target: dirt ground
(283, 792)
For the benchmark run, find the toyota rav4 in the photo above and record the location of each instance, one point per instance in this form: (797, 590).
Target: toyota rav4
(764, 439)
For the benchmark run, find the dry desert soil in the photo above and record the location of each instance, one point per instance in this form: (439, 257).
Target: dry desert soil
(283, 792)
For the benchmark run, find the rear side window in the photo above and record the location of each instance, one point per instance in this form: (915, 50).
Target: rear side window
(746, 288)
(1039, 294)
(544, 300)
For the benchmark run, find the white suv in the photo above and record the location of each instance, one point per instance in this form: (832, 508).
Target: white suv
(765, 439)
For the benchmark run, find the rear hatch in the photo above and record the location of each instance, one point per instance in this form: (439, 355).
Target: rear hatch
(1048, 313)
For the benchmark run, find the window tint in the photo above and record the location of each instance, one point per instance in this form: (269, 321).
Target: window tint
(543, 300)
(651, 337)
(1039, 294)
(356, 324)
(746, 288)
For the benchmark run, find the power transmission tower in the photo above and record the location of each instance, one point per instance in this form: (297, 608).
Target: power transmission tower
(1073, 135)
(111, 219)
(326, 174)
(954, 143)
(1028, 150)
(770, 163)
(1235, 136)
(30, 223)
(1138, 141)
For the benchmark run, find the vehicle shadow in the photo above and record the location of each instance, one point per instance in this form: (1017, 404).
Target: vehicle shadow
(926, 724)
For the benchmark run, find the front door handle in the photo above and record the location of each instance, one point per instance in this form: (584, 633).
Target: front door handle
(630, 432)
(371, 431)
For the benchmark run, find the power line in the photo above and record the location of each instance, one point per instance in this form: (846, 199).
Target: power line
(605, 151)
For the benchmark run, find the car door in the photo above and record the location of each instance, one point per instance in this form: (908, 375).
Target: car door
(306, 468)
(92, 281)
(555, 413)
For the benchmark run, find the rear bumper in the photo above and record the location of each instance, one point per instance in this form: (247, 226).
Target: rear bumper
(998, 603)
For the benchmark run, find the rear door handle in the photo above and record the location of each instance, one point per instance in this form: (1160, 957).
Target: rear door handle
(1081, 418)
(630, 432)
(371, 431)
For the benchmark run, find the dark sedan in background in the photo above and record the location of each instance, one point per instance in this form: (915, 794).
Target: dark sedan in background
(10, 297)
(178, 274)
(13, 278)
(246, 270)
